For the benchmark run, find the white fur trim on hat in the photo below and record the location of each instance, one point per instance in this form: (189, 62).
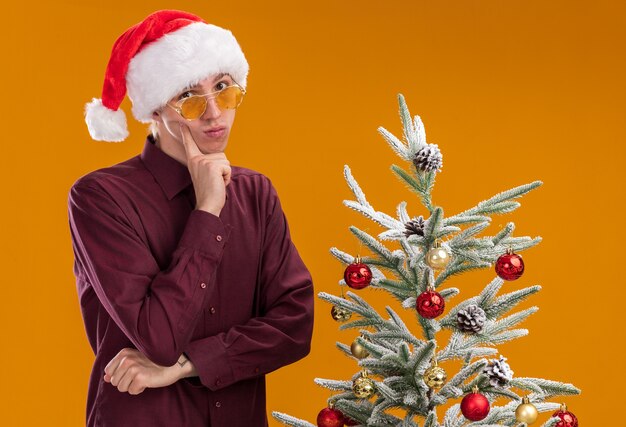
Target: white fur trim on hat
(105, 124)
(180, 59)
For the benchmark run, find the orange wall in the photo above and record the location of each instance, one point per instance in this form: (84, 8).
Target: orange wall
(511, 91)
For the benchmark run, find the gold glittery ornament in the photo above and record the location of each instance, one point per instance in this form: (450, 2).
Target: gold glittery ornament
(340, 314)
(435, 376)
(437, 257)
(526, 412)
(363, 387)
(358, 350)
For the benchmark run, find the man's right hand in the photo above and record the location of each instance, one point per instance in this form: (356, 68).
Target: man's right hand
(210, 174)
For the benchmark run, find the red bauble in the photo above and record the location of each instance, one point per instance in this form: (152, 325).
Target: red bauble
(510, 266)
(430, 304)
(329, 417)
(475, 406)
(567, 418)
(357, 275)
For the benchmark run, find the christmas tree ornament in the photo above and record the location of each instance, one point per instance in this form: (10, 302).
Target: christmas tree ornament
(499, 372)
(357, 275)
(567, 419)
(471, 319)
(526, 412)
(437, 257)
(510, 265)
(415, 227)
(475, 406)
(435, 376)
(363, 387)
(330, 417)
(350, 422)
(340, 314)
(358, 350)
(430, 304)
(429, 158)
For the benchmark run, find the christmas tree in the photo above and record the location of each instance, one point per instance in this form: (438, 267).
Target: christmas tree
(398, 370)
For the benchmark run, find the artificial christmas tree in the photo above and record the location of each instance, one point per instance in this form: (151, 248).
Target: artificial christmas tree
(399, 371)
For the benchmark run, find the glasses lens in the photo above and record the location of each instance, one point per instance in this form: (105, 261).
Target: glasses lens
(230, 97)
(193, 107)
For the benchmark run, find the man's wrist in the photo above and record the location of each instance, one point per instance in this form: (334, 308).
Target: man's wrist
(185, 367)
(210, 210)
(182, 360)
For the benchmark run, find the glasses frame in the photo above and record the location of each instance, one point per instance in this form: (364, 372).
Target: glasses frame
(177, 107)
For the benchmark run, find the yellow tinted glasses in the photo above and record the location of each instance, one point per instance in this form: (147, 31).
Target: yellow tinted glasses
(194, 106)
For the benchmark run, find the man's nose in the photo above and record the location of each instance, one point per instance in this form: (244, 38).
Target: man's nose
(212, 110)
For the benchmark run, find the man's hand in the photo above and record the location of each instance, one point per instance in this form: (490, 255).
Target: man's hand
(130, 371)
(210, 174)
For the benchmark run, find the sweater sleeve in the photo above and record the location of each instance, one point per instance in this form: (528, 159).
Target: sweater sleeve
(155, 309)
(282, 333)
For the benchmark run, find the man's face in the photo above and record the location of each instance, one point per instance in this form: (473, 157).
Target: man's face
(202, 129)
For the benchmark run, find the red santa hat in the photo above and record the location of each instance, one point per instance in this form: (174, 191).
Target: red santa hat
(155, 60)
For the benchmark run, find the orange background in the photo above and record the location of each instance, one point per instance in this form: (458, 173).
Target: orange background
(511, 91)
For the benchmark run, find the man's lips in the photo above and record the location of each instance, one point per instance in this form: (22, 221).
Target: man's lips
(213, 129)
(215, 132)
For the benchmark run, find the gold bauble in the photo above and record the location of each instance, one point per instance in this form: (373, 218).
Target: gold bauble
(358, 350)
(340, 314)
(437, 257)
(526, 412)
(363, 387)
(435, 377)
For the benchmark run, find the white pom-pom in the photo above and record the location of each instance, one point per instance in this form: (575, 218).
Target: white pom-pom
(105, 124)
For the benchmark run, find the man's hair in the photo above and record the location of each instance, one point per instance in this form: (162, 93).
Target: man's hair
(154, 130)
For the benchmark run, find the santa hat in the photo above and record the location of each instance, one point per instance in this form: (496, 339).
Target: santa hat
(155, 60)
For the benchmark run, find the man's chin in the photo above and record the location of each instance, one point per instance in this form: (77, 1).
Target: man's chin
(208, 146)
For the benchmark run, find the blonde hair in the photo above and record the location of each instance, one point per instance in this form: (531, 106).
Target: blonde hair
(153, 128)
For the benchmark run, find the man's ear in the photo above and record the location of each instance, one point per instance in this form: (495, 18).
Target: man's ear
(156, 116)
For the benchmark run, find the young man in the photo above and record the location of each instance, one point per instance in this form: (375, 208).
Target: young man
(190, 287)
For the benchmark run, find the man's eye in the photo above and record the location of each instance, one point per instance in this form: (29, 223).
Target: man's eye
(185, 94)
(221, 85)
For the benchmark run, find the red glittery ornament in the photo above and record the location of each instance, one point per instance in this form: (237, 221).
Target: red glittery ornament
(330, 417)
(510, 266)
(430, 304)
(475, 406)
(357, 274)
(567, 418)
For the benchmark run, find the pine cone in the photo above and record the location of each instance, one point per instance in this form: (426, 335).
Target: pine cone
(499, 372)
(471, 319)
(416, 226)
(429, 158)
